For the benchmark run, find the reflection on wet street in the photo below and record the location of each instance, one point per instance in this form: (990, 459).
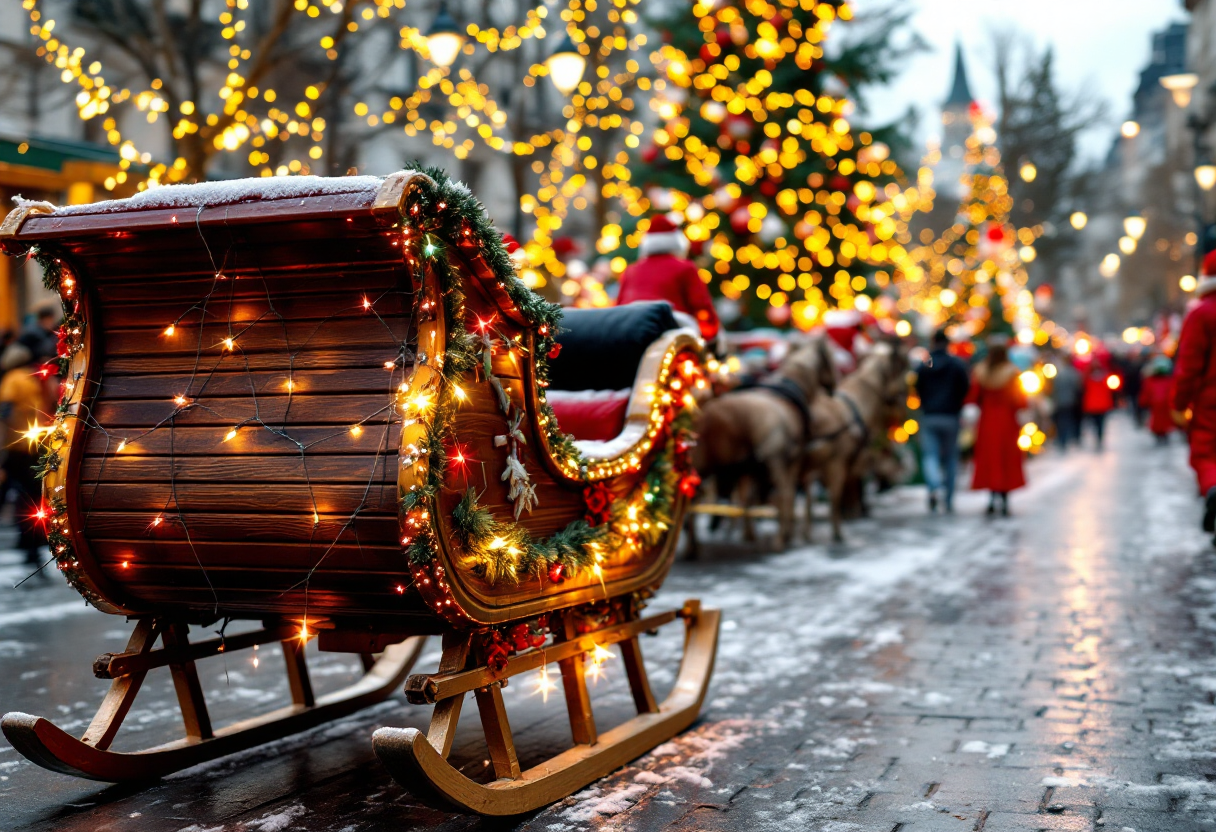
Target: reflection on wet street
(1053, 671)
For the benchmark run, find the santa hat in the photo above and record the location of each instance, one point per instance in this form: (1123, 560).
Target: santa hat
(663, 238)
(514, 250)
(842, 327)
(1207, 275)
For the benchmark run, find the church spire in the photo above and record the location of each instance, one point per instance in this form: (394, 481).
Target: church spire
(960, 91)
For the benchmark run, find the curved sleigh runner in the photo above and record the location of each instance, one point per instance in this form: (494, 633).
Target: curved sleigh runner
(329, 405)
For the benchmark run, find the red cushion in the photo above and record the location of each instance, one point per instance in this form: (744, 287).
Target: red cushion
(590, 414)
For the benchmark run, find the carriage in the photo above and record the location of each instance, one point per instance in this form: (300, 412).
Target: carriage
(329, 406)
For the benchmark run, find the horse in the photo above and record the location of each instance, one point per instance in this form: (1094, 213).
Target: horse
(752, 440)
(847, 425)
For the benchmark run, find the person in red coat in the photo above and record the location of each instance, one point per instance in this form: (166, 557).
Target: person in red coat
(998, 459)
(663, 273)
(1155, 397)
(1097, 395)
(1194, 397)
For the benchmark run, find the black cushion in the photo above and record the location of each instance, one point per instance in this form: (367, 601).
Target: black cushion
(602, 348)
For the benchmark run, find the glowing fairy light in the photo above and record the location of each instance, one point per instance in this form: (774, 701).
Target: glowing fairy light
(390, 365)
(121, 445)
(230, 435)
(170, 329)
(291, 385)
(367, 304)
(356, 431)
(544, 685)
(179, 400)
(229, 344)
(36, 432)
(459, 393)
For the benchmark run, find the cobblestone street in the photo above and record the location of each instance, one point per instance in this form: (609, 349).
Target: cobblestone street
(1050, 671)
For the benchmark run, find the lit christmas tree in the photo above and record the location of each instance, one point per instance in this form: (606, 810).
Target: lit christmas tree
(789, 210)
(973, 274)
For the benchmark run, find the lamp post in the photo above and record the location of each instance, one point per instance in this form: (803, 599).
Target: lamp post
(1181, 87)
(444, 40)
(566, 66)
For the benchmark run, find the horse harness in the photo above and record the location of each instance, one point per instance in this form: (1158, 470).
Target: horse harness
(791, 392)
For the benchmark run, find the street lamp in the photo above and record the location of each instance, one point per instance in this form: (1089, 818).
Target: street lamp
(1134, 225)
(1205, 171)
(566, 66)
(444, 40)
(1180, 87)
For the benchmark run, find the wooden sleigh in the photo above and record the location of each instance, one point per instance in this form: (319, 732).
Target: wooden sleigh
(329, 406)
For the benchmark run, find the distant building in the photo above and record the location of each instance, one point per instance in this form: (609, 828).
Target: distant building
(956, 128)
(1146, 172)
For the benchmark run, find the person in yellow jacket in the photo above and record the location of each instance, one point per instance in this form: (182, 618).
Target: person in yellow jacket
(23, 407)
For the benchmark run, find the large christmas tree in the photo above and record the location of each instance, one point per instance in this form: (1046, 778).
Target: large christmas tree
(973, 273)
(790, 210)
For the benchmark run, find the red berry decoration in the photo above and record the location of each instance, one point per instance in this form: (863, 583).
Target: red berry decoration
(555, 351)
(689, 484)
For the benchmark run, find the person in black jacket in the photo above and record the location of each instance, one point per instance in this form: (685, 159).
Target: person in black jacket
(942, 383)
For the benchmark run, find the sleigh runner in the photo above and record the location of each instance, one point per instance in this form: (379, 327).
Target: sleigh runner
(330, 406)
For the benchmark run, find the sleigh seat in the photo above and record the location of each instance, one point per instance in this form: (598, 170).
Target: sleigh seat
(601, 382)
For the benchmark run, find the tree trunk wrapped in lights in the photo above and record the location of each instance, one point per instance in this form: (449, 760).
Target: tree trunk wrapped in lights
(332, 407)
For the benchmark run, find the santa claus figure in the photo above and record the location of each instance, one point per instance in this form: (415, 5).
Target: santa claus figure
(845, 330)
(1194, 396)
(662, 272)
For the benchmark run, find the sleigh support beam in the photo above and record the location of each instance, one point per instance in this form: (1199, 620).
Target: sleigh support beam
(42, 742)
(420, 765)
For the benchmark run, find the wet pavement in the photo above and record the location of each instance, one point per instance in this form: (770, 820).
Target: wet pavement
(1050, 671)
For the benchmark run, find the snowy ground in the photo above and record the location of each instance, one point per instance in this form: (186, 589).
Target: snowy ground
(1050, 671)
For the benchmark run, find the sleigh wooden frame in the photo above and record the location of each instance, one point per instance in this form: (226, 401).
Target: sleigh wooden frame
(214, 459)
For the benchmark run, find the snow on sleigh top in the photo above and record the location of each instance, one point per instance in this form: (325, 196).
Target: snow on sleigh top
(332, 398)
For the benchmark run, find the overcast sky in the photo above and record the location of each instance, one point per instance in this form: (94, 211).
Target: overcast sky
(1101, 46)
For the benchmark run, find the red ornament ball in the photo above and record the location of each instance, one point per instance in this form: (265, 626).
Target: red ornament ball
(689, 484)
(650, 154)
(739, 218)
(555, 351)
(557, 573)
(995, 233)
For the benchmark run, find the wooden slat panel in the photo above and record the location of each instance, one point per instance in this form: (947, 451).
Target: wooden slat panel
(401, 611)
(330, 469)
(239, 529)
(267, 336)
(188, 287)
(352, 355)
(305, 409)
(233, 380)
(345, 302)
(222, 497)
(254, 441)
(309, 247)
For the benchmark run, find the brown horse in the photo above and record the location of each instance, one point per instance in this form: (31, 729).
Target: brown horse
(752, 440)
(849, 428)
